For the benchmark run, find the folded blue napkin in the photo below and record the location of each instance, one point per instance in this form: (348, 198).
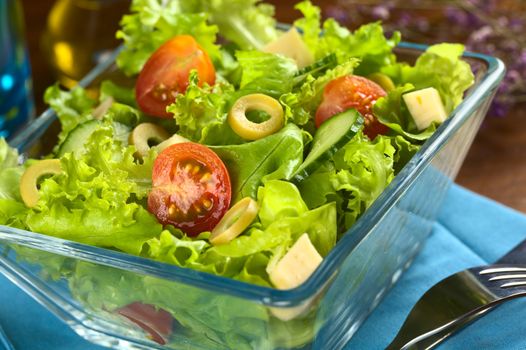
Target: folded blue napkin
(471, 231)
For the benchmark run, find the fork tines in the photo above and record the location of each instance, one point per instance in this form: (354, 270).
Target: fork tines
(507, 273)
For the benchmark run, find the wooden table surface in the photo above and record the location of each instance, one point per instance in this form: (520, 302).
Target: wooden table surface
(495, 166)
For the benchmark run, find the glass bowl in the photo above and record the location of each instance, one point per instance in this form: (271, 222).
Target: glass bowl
(87, 287)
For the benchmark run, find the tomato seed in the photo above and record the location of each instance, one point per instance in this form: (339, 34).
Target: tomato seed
(206, 177)
(172, 210)
(207, 204)
(197, 209)
(188, 167)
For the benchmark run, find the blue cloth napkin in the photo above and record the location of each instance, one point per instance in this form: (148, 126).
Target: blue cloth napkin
(471, 231)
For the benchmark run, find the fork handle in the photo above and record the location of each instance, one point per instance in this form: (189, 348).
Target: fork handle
(516, 256)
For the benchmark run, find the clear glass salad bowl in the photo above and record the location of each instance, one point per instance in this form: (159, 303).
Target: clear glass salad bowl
(86, 286)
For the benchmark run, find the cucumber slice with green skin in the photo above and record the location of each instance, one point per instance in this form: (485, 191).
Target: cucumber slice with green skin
(317, 68)
(77, 137)
(330, 137)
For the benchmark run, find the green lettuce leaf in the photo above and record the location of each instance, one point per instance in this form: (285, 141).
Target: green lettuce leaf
(301, 104)
(247, 23)
(363, 171)
(273, 157)
(368, 43)
(265, 73)
(94, 199)
(317, 189)
(353, 179)
(120, 94)
(440, 67)
(8, 155)
(279, 199)
(72, 108)
(209, 325)
(12, 210)
(405, 150)
(10, 172)
(173, 250)
(283, 212)
(152, 23)
(392, 111)
(201, 113)
(309, 25)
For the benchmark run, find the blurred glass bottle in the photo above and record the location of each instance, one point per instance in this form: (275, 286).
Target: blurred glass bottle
(79, 34)
(16, 99)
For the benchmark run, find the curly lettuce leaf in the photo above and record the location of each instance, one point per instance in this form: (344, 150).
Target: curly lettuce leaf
(368, 43)
(201, 113)
(12, 210)
(174, 250)
(291, 219)
(301, 104)
(10, 172)
(363, 171)
(94, 199)
(72, 107)
(392, 112)
(152, 23)
(265, 73)
(8, 155)
(353, 179)
(440, 67)
(309, 25)
(247, 23)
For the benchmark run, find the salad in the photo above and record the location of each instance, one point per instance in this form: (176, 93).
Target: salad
(233, 147)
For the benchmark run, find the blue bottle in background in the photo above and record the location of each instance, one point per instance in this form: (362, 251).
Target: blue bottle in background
(16, 95)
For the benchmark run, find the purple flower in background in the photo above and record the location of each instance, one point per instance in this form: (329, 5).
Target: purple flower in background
(494, 27)
(381, 12)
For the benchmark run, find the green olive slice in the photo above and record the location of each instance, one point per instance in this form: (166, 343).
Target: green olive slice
(235, 221)
(255, 102)
(102, 108)
(29, 180)
(383, 80)
(145, 133)
(174, 139)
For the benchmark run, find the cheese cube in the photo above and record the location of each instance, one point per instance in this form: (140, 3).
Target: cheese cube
(425, 107)
(291, 45)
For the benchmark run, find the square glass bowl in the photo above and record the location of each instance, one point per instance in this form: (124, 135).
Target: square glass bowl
(85, 286)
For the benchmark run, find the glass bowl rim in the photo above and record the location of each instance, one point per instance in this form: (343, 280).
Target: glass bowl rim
(265, 295)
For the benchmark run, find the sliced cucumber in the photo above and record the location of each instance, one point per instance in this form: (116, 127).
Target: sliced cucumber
(331, 136)
(77, 137)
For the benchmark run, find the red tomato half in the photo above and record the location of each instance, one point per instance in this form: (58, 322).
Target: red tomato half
(166, 74)
(157, 322)
(191, 188)
(352, 91)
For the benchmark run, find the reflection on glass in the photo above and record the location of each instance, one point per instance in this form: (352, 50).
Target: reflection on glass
(16, 101)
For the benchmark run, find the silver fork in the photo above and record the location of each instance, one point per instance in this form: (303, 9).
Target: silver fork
(461, 298)
(456, 301)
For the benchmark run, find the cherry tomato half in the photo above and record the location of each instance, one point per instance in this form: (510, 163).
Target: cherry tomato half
(352, 91)
(156, 322)
(191, 188)
(166, 74)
